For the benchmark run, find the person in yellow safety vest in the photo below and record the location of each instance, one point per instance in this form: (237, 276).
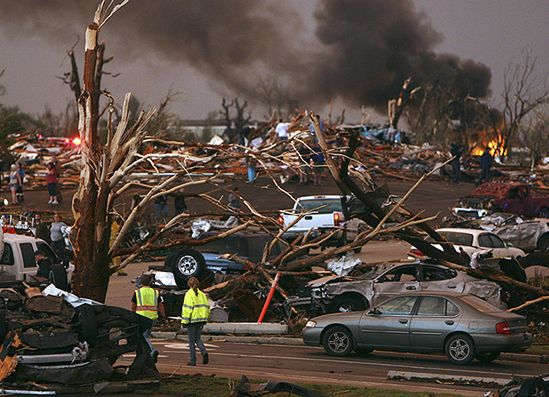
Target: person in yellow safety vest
(194, 315)
(147, 302)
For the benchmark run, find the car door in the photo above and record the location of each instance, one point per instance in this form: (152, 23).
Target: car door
(434, 318)
(396, 281)
(440, 278)
(387, 325)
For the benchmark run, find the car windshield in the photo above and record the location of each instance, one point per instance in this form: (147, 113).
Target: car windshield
(454, 238)
(328, 205)
(372, 272)
(479, 304)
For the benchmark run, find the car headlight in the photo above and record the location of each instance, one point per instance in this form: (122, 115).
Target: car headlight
(310, 324)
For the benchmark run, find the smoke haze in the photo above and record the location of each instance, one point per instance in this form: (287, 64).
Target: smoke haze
(361, 52)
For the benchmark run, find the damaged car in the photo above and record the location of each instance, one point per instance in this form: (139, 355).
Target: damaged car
(333, 294)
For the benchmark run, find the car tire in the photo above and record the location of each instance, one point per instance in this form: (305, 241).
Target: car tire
(347, 303)
(533, 387)
(460, 349)
(338, 341)
(486, 358)
(188, 263)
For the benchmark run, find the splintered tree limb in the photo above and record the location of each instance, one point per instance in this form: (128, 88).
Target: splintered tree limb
(529, 303)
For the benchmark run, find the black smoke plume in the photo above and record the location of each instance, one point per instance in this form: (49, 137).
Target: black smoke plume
(364, 49)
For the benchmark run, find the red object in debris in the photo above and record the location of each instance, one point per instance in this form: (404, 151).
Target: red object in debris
(9, 229)
(503, 328)
(280, 220)
(269, 298)
(416, 252)
(338, 217)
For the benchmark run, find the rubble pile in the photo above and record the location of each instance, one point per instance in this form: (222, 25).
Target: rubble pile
(53, 340)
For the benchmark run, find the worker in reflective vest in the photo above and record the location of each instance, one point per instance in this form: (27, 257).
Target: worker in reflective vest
(194, 315)
(148, 304)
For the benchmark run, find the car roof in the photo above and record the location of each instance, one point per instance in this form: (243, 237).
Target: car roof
(475, 232)
(447, 294)
(20, 238)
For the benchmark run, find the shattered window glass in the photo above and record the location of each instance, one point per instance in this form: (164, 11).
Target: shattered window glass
(432, 273)
(400, 306)
(496, 241)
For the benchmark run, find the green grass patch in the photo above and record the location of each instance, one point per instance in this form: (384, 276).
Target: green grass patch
(212, 386)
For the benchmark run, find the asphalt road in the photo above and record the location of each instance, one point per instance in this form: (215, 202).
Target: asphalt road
(300, 364)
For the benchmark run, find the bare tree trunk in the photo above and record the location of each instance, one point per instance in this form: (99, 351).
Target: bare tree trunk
(91, 272)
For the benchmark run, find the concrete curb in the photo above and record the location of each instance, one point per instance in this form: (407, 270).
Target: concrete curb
(292, 341)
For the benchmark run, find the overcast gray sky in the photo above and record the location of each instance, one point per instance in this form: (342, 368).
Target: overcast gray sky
(492, 32)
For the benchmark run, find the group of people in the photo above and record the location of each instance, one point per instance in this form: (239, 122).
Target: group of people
(486, 162)
(148, 304)
(17, 181)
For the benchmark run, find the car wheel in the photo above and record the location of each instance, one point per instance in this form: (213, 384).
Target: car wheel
(486, 358)
(338, 341)
(533, 387)
(460, 349)
(544, 213)
(186, 264)
(347, 303)
(543, 244)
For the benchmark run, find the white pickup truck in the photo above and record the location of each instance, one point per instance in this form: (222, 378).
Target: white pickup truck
(324, 213)
(17, 261)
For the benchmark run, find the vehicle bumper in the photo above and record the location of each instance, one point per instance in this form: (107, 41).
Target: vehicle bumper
(503, 343)
(312, 336)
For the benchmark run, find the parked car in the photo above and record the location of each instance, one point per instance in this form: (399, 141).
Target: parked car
(325, 213)
(512, 197)
(334, 294)
(473, 240)
(185, 262)
(17, 261)
(462, 326)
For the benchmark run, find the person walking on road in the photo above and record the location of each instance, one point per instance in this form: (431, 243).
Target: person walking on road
(51, 180)
(194, 315)
(58, 239)
(147, 303)
(485, 166)
(14, 183)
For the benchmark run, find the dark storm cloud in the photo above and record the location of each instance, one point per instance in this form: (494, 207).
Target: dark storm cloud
(366, 47)
(371, 46)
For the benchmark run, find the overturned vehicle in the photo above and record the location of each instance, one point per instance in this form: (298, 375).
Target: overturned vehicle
(56, 341)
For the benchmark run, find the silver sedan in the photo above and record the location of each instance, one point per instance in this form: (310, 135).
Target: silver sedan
(462, 326)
